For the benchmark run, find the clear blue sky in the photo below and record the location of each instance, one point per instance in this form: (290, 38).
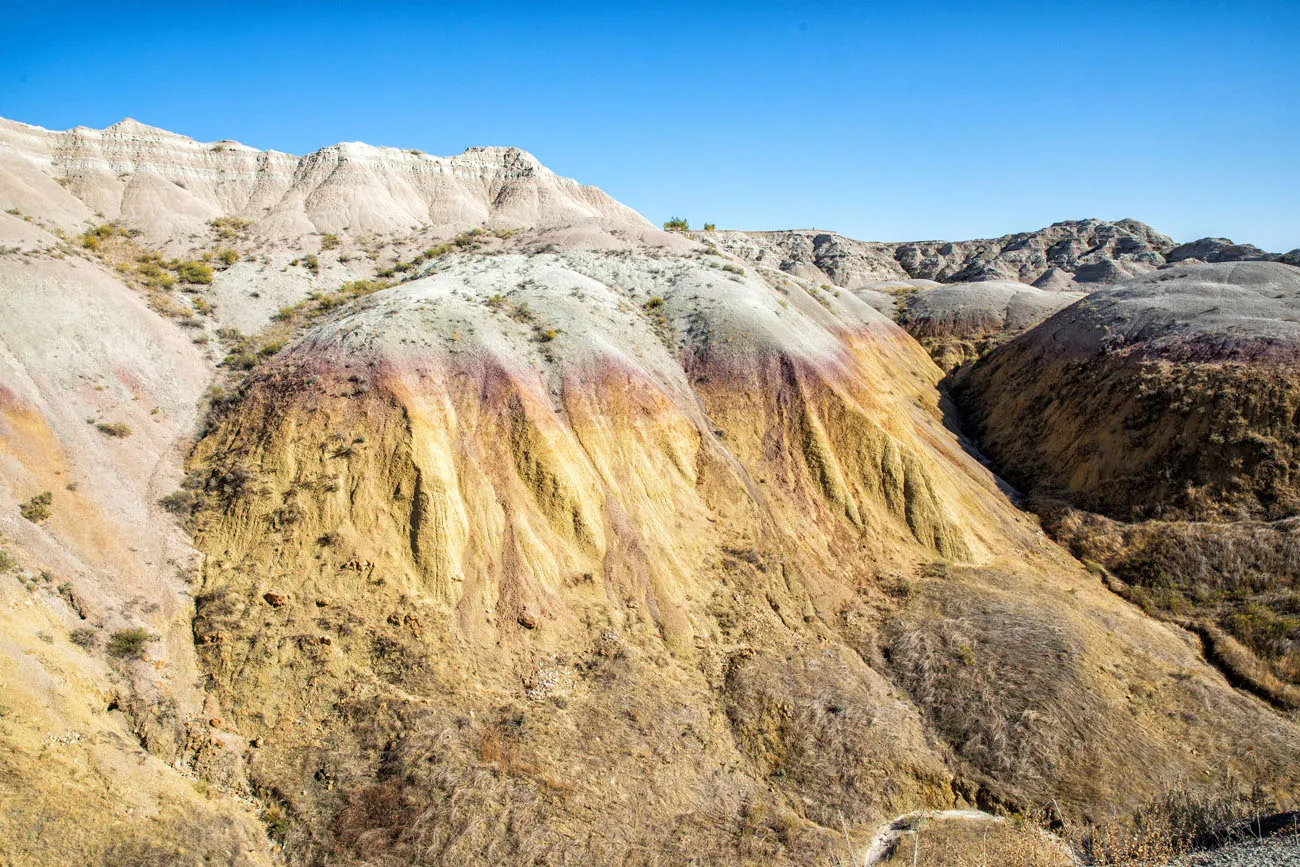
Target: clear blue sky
(887, 121)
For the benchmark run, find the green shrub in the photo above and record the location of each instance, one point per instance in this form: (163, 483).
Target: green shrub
(677, 224)
(227, 256)
(113, 429)
(37, 509)
(129, 643)
(655, 302)
(179, 502)
(329, 242)
(229, 227)
(710, 227)
(733, 269)
(193, 272)
(6, 561)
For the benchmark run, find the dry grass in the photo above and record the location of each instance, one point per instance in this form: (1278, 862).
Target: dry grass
(978, 843)
(1237, 584)
(1001, 680)
(1182, 819)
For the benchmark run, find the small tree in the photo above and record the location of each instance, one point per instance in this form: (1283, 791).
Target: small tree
(710, 227)
(677, 224)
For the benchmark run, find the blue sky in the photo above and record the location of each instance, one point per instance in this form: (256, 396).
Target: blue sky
(884, 121)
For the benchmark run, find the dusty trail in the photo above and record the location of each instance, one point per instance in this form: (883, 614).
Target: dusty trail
(895, 829)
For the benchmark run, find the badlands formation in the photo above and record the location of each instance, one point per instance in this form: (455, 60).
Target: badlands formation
(378, 508)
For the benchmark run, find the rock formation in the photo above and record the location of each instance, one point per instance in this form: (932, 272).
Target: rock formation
(1074, 254)
(522, 532)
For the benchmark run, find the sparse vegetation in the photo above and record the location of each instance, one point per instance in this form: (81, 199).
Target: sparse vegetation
(180, 502)
(677, 224)
(191, 271)
(710, 227)
(116, 429)
(229, 228)
(329, 242)
(37, 509)
(1238, 584)
(129, 643)
(84, 638)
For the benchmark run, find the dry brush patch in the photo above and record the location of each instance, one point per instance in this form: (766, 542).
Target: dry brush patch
(955, 842)
(1235, 583)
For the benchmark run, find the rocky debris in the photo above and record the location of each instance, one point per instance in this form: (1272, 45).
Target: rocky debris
(528, 620)
(1274, 852)
(275, 600)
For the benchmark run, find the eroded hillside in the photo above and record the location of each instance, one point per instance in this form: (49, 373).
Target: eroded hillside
(1168, 405)
(522, 533)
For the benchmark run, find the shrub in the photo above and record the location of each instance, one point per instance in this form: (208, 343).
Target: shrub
(179, 502)
(227, 256)
(710, 227)
(677, 224)
(733, 269)
(82, 637)
(37, 509)
(548, 335)
(6, 561)
(654, 302)
(113, 429)
(193, 272)
(129, 643)
(229, 227)
(311, 263)
(329, 242)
